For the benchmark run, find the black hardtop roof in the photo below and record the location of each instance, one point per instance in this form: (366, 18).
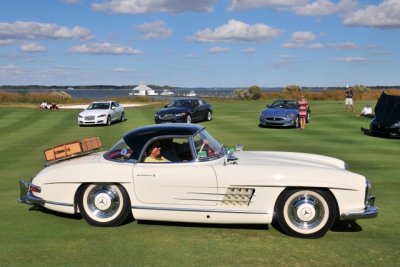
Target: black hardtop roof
(138, 137)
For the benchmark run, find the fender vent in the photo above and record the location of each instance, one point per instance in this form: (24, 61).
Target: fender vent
(235, 196)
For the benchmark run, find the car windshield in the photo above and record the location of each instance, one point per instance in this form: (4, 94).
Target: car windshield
(207, 147)
(284, 104)
(119, 152)
(180, 103)
(99, 106)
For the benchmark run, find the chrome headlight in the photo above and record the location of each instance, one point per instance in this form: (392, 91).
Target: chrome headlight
(180, 114)
(395, 125)
(369, 199)
(102, 115)
(290, 115)
(80, 116)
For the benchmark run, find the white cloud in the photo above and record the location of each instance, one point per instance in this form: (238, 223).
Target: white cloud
(103, 49)
(293, 45)
(343, 46)
(237, 5)
(121, 70)
(299, 39)
(385, 15)
(154, 6)
(27, 30)
(218, 50)
(249, 50)
(316, 46)
(72, 1)
(237, 31)
(299, 7)
(284, 61)
(7, 42)
(154, 30)
(317, 8)
(351, 59)
(191, 56)
(33, 47)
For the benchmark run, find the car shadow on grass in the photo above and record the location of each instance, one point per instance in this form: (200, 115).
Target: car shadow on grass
(346, 226)
(262, 227)
(277, 127)
(367, 131)
(75, 216)
(55, 213)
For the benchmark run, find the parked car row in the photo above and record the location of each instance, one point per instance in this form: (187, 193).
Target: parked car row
(281, 113)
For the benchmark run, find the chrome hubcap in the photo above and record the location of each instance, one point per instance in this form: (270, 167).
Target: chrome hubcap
(305, 211)
(103, 201)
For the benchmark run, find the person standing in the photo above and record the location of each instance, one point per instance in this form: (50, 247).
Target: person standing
(349, 99)
(303, 110)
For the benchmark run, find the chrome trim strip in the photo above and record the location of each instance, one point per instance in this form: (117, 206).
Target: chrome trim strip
(197, 210)
(59, 203)
(288, 186)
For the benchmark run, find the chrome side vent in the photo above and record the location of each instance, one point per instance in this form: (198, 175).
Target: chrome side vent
(236, 196)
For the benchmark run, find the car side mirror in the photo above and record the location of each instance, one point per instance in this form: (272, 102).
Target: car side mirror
(231, 156)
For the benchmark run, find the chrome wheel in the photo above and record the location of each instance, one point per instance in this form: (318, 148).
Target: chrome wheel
(209, 115)
(122, 117)
(104, 204)
(188, 119)
(108, 120)
(306, 213)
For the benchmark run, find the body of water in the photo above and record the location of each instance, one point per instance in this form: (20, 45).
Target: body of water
(108, 94)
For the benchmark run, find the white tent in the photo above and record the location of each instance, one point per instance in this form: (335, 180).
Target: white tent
(143, 89)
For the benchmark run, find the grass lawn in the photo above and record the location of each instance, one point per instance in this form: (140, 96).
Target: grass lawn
(36, 237)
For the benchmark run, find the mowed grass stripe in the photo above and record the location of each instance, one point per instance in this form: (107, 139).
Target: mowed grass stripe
(28, 140)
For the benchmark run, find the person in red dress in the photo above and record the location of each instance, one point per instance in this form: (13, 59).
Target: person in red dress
(303, 109)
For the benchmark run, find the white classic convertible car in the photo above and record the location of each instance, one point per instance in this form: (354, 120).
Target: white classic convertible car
(179, 172)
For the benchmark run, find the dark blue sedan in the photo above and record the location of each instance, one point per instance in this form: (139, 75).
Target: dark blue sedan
(282, 113)
(185, 110)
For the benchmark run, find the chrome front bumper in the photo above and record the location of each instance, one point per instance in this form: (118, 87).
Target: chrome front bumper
(370, 211)
(26, 195)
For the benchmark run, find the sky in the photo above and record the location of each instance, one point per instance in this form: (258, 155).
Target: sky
(200, 43)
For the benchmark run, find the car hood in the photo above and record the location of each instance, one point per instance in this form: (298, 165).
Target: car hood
(285, 159)
(173, 110)
(278, 112)
(93, 112)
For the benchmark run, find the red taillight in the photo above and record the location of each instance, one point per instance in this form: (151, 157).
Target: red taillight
(34, 188)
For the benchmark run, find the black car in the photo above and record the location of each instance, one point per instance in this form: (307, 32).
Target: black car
(387, 116)
(185, 110)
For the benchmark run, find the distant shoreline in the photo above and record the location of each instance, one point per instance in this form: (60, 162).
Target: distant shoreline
(156, 87)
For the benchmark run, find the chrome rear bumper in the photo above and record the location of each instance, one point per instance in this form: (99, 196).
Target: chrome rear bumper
(26, 195)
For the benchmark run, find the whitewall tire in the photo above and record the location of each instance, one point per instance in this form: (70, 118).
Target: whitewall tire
(104, 204)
